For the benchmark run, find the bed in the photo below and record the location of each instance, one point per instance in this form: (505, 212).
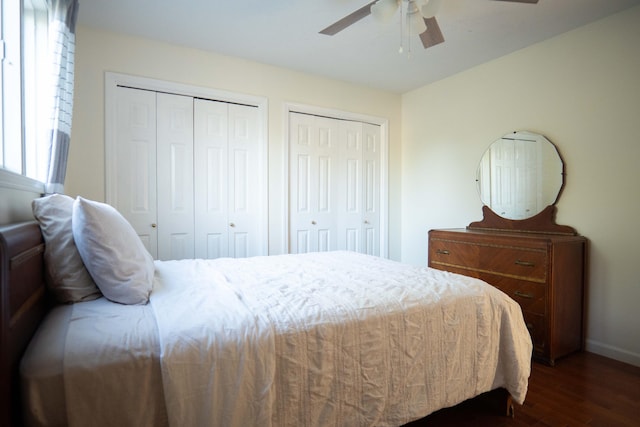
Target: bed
(333, 338)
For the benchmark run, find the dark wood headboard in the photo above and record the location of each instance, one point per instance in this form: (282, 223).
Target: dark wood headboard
(23, 304)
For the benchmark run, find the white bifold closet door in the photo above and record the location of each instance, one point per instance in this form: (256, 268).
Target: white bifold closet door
(174, 176)
(227, 214)
(185, 168)
(334, 185)
(134, 163)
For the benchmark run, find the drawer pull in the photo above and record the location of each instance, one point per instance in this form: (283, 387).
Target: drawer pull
(530, 326)
(523, 295)
(442, 252)
(525, 263)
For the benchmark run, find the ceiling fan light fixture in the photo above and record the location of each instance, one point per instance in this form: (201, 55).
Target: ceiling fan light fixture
(430, 9)
(415, 21)
(383, 10)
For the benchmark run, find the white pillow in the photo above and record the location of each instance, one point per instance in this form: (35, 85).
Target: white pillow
(112, 252)
(68, 279)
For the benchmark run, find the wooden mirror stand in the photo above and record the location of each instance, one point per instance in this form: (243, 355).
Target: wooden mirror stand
(544, 222)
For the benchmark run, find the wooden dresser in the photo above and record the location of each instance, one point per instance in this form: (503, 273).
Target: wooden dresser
(544, 273)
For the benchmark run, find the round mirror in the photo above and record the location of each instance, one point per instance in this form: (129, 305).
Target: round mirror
(520, 175)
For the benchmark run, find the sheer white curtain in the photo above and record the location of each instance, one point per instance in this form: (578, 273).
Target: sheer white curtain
(63, 15)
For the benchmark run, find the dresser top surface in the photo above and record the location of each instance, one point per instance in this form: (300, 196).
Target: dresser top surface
(489, 234)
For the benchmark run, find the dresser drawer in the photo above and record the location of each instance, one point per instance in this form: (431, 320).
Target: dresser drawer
(537, 330)
(520, 263)
(453, 253)
(530, 295)
(509, 261)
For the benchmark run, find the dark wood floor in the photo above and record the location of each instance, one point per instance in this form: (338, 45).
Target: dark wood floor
(582, 389)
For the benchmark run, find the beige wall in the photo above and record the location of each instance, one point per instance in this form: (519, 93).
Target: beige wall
(16, 202)
(98, 52)
(582, 91)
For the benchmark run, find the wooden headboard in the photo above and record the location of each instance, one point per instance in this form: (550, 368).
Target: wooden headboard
(23, 304)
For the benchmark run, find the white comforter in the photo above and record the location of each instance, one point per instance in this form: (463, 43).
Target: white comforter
(329, 339)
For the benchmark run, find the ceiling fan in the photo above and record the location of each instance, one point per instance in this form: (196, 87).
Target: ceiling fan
(419, 17)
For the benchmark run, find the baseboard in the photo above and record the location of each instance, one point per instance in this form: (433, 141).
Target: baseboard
(613, 352)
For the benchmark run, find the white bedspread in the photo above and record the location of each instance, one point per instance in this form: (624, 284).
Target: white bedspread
(328, 339)
(216, 349)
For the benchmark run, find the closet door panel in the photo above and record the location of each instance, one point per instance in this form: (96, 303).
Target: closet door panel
(371, 189)
(244, 163)
(211, 178)
(300, 158)
(349, 212)
(240, 245)
(301, 213)
(323, 184)
(313, 184)
(175, 176)
(321, 181)
(216, 246)
(324, 224)
(135, 192)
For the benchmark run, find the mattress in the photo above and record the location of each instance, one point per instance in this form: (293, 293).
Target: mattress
(334, 338)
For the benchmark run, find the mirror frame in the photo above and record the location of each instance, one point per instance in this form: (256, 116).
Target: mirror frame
(520, 174)
(542, 222)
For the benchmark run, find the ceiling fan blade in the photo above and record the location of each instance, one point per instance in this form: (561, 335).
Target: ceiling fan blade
(433, 35)
(352, 18)
(521, 1)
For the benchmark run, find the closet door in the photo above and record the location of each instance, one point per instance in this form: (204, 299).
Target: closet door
(188, 173)
(349, 186)
(371, 170)
(244, 212)
(174, 170)
(134, 192)
(359, 187)
(313, 162)
(211, 172)
(334, 187)
(227, 161)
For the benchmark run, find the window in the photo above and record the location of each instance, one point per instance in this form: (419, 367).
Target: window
(23, 28)
(11, 118)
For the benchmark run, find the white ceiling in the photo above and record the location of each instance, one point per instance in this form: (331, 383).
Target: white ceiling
(284, 33)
